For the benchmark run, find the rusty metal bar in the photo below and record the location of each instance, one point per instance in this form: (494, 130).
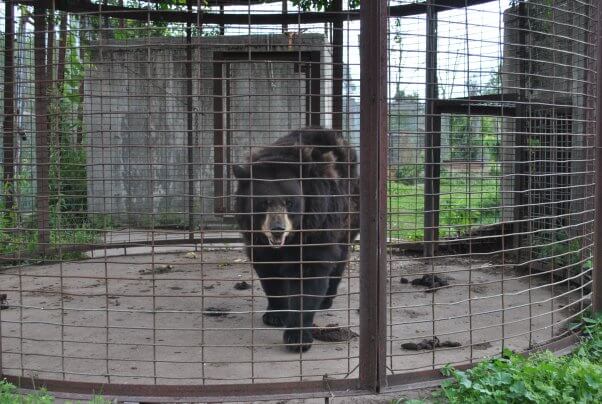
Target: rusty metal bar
(146, 15)
(8, 143)
(432, 155)
(597, 268)
(50, 43)
(221, 393)
(373, 195)
(469, 108)
(521, 164)
(222, 27)
(315, 88)
(337, 68)
(284, 11)
(42, 144)
(189, 125)
(218, 135)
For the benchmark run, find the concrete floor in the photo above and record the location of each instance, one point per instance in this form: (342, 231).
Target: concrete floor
(103, 320)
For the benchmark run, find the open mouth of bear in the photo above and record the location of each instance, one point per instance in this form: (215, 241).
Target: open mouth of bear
(276, 240)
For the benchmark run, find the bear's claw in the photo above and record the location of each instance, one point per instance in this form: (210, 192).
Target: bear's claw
(298, 340)
(273, 319)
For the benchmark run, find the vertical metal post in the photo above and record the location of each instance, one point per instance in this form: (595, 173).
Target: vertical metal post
(222, 27)
(314, 87)
(521, 154)
(373, 202)
(432, 155)
(337, 68)
(218, 135)
(42, 146)
(284, 11)
(189, 125)
(597, 268)
(8, 143)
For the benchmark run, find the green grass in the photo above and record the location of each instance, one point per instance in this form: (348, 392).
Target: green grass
(25, 239)
(463, 204)
(541, 378)
(9, 395)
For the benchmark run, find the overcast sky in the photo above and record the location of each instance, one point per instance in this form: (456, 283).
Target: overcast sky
(470, 46)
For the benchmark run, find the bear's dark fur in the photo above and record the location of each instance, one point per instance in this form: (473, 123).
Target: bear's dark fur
(297, 204)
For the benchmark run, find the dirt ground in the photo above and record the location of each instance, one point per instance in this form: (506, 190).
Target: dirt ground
(151, 318)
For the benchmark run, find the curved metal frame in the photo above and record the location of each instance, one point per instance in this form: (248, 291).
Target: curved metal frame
(249, 392)
(372, 378)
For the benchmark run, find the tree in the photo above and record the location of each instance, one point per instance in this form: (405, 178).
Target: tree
(322, 5)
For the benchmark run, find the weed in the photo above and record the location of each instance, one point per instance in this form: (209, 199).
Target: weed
(409, 174)
(464, 203)
(9, 395)
(540, 378)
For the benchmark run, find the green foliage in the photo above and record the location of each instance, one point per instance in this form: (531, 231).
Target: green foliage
(67, 181)
(464, 203)
(9, 395)
(463, 142)
(541, 378)
(122, 29)
(321, 5)
(556, 246)
(68, 186)
(409, 174)
(494, 84)
(491, 139)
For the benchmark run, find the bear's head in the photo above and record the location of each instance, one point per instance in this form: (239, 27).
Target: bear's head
(269, 202)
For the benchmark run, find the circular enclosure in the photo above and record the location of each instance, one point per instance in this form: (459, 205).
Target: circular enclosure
(156, 194)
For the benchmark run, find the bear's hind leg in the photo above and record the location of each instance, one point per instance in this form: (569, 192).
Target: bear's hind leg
(335, 278)
(333, 285)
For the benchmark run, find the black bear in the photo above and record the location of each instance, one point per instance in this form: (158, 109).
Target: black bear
(297, 205)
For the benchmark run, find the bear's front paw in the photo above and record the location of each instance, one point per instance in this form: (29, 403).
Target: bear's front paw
(274, 319)
(298, 340)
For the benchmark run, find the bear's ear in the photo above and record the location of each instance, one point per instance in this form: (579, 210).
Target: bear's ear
(241, 172)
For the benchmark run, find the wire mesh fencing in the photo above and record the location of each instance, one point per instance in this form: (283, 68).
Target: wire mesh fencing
(504, 179)
(196, 196)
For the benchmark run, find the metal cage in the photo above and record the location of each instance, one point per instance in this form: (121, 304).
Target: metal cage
(167, 165)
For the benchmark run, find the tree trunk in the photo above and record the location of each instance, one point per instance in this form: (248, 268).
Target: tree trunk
(9, 108)
(83, 44)
(20, 89)
(42, 144)
(60, 74)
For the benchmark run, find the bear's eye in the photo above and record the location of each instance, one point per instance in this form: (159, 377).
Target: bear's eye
(290, 204)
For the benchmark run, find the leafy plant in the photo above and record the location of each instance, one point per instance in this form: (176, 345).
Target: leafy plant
(9, 395)
(558, 248)
(463, 142)
(464, 203)
(321, 5)
(409, 173)
(540, 378)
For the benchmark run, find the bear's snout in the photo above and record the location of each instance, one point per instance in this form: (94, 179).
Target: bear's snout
(276, 227)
